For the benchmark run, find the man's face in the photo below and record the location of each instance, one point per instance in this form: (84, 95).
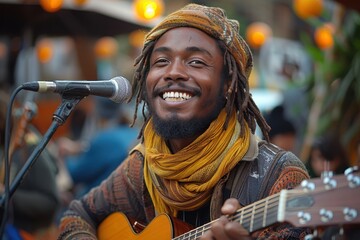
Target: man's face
(184, 86)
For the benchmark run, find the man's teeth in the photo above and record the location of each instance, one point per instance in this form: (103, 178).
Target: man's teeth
(176, 96)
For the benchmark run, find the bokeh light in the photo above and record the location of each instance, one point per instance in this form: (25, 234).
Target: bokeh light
(106, 47)
(80, 2)
(308, 8)
(136, 38)
(44, 50)
(323, 36)
(148, 9)
(51, 5)
(257, 33)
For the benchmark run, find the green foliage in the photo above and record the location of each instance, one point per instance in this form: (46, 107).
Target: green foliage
(338, 71)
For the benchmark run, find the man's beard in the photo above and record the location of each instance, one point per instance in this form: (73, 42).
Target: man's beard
(177, 128)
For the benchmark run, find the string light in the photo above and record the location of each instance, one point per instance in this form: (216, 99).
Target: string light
(51, 5)
(308, 8)
(80, 2)
(106, 47)
(148, 9)
(136, 38)
(44, 50)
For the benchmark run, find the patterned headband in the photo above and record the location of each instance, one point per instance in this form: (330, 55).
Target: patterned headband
(212, 21)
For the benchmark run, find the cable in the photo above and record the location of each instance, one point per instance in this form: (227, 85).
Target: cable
(6, 195)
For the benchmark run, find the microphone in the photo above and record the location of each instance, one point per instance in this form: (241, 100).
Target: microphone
(118, 89)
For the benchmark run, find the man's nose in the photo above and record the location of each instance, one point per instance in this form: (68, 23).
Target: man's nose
(177, 71)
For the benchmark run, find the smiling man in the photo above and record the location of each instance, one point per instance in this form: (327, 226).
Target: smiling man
(198, 159)
(185, 89)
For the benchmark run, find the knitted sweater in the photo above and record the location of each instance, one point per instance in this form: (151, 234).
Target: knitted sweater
(125, 191)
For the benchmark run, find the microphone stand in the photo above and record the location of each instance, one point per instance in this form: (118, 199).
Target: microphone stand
(59, 117)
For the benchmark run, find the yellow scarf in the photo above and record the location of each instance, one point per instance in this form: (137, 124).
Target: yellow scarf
(184, 180)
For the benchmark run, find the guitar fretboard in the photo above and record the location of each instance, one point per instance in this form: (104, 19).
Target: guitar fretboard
(252, 217)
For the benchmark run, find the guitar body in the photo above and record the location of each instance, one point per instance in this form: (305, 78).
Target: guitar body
(118, 226)
(331, 201)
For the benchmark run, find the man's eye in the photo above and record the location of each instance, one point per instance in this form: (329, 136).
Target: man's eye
(196, 62)
(161, 61)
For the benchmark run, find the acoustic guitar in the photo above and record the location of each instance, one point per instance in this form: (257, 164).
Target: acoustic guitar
(28, 112)
(315, 203)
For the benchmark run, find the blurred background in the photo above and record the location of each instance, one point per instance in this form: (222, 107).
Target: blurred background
(305, 80)
(306, 53)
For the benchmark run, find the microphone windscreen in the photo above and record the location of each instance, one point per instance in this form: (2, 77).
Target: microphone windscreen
(123, 91)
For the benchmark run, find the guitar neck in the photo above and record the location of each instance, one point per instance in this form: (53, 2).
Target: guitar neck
(307, 205)
(253, 217)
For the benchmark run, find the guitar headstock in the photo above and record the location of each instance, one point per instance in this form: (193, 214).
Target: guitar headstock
(330, 200)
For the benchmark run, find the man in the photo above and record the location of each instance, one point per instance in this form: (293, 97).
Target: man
(197, 137)
(327, 153)
(283, 132)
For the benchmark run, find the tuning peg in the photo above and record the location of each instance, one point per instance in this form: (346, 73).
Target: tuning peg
(327, 177)
(354, 180)
(313, 236)
(329, 183)
(307, 185)
(350, 214)
(304, 217)
(351, 170)
(326, 215)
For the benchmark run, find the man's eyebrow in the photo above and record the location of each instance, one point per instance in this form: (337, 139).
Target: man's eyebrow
(162, 49)
(198, 49)
(188, 49)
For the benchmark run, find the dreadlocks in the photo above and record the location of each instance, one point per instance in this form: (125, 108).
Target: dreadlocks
(237, 61)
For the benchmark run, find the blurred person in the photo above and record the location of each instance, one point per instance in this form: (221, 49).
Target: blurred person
(283, 132)
(198, 157)
(327, 154)
(358, 154)
(35, 202)
(88, 164)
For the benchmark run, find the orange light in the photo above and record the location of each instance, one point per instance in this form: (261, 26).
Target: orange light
(308, 8)
(51, 5)
(136, 38)
(257, 33)
(323, 36)
(148, 9)
(80, 2)
(44, 50)
(106, 47)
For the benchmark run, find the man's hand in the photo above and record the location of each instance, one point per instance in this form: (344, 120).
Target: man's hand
(224, 229)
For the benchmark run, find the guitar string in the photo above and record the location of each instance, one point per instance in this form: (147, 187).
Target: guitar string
(254, 213)
(199, 231)
(240, 212)
(248, 211)
(243, 214)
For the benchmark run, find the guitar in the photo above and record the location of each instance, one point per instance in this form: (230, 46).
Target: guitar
(28, 112)
(332, 200)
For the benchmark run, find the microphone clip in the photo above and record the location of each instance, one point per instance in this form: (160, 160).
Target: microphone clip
(68, 103)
